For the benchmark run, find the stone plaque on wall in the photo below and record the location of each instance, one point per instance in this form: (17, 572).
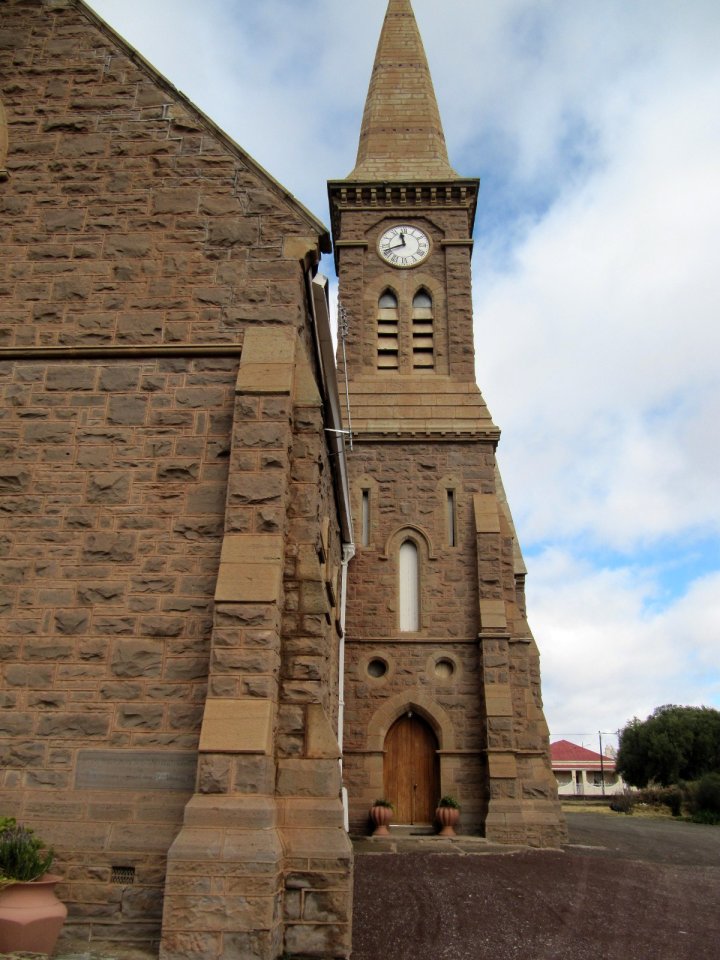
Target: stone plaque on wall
(135, 770)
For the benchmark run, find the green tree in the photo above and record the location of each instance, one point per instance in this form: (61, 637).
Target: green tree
(673, 744)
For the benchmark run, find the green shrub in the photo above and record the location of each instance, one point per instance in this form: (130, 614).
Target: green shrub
(702, 798)
(707, 795)
(623, 802)
(23, 856)
(671, 797)
(448, 801)
(706, 816)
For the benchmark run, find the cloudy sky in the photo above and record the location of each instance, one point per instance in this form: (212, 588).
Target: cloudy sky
(595, 127)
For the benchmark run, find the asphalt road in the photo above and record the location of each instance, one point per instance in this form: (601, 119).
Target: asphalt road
(652, 841)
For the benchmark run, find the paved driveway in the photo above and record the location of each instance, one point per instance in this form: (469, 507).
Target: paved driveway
(653, 841)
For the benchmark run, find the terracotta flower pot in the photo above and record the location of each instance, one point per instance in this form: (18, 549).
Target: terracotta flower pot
(31, 916)
(448, 818)
(381, 817)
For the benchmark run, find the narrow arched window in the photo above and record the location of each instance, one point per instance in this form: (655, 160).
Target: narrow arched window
(422, 331)
(409, 576)
(365, 519)
(387, 332)
(451, 517)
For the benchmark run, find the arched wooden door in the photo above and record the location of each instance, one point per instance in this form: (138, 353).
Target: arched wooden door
(412, 770)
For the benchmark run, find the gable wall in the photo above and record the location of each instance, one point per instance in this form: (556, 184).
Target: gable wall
(127, 221)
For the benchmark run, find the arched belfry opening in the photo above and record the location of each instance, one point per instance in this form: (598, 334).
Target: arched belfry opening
(387, 332)
(411, 769)
(422, 331)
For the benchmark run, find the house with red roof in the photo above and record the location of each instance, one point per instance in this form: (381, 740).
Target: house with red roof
(581, 772)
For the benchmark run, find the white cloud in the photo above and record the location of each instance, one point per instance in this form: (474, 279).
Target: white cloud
(606, 656)
(598, 343)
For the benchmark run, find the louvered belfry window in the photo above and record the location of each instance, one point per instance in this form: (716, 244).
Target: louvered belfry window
(422, 331)
(387, 332)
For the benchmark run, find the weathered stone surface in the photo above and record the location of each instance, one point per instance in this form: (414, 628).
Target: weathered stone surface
(74, 726)
(132, 224)
(109, 488)
(137, 658)
(116, 548)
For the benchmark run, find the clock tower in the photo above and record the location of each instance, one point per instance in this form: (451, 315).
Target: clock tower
(442, 683)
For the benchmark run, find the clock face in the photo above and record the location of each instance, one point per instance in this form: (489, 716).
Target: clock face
(404, 246)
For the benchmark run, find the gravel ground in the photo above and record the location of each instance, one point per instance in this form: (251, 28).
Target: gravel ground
(624, 887)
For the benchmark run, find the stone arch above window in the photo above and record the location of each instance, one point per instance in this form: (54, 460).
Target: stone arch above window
(423, 346)
(387, 331)
(409, 532)
(3, 142)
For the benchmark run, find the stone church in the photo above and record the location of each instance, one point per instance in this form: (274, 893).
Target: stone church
(236, 610)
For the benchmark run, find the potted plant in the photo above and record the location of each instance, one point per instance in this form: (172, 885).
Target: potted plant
(381, 814)
(31, 916)
(447, 815)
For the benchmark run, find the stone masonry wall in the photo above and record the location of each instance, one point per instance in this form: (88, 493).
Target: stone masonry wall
(138, 246)
(364, 277)
(112, 499)
(408, 484)
(471, 670)
(127, 219)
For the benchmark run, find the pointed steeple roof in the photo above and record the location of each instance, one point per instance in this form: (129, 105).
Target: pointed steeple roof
(401, 136)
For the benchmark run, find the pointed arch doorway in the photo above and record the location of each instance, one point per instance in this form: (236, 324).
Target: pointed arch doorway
(411, 769)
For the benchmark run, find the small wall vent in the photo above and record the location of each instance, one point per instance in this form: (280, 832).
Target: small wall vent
(123, 875)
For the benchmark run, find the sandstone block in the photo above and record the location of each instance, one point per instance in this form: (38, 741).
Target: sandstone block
(137, 658)
(308, 778)
(101, 592)
(109, 488)
(74, 726)
(229, 233)
(175, 201)
(140, 717)
(237, 726)
(15, 724)
(115, 626)
(130, 411)
(70, 377)
(214, 774)
(47, 433)
(308, 940)
(186, 669)
(63, 220)
(119, 379)
(13, 480)
(113, 547)
(29, 675)
(136, 245)
(162, 626)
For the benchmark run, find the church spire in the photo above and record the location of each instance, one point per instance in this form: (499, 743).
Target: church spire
(401, 136)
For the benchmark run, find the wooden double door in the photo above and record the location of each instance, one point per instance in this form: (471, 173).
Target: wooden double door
(412, 770)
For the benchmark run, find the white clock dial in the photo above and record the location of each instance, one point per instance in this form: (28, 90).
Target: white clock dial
(404, 246)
